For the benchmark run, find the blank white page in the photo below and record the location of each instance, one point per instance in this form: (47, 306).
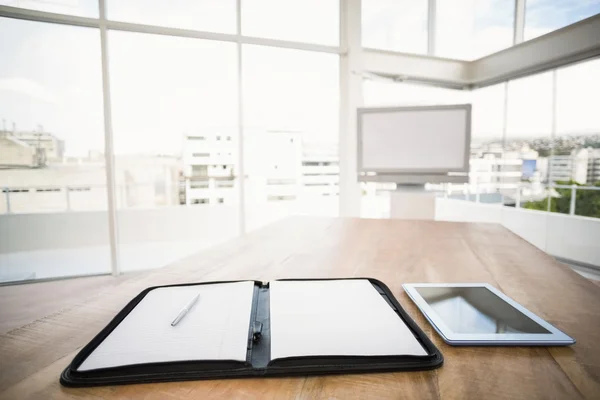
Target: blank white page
(334, 318)
(215, 328)
(411, 140)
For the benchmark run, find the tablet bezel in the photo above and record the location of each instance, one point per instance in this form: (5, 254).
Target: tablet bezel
(556, 337)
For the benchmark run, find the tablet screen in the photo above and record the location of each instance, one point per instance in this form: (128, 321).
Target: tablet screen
(477, 310)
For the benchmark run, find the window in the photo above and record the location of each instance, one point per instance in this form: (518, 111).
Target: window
(529, 141)
(487, 140)
(201, 15)
(225, 183)
(468, 29)
(196, 184)
(281, 181)
(199, 170)
(15, 190)
(281, 198)
(488, 114)
(82, 8)
(158, 84)
(50, 81)
(290, 112)
(577, 85)
(544, 16)
(310, 21)
(397, 25)
(48, 190)
(578, 136)
(530, 106)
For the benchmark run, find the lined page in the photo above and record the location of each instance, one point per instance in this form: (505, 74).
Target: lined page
(335, 318)
(215, 328)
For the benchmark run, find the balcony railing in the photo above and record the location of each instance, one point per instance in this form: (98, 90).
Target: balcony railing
(80, 198)
(474, 193)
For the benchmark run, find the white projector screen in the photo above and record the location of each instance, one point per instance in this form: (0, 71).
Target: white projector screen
(428, 139)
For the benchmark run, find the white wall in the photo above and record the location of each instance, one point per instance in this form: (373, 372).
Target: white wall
(531, 225)
(49, 245)
(567, 236)
(465, 211)
(64, 230)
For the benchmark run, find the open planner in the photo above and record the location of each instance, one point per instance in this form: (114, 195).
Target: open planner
(253, 329)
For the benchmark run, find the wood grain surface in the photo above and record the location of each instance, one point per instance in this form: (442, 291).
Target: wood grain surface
(394, 251)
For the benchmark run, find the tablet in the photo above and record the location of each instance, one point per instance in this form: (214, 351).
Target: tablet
(478, 314)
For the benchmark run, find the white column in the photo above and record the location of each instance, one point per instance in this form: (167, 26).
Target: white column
(7, 198)
(350, 100)
(240, 169)
(109, 146)
(67, 198)
(431, 26)
(519, 22)
(188, 191)
(553, 135)
(168, 187)
(573, 197)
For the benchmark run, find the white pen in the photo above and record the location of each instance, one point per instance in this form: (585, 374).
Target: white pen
(185, 310)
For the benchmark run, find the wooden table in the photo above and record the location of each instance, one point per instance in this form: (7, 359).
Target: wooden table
(394, 251)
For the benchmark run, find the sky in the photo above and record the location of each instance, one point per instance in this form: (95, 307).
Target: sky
(165, 87)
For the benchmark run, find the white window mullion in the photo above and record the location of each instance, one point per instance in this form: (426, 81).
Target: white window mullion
(113, 227)
(350, 99)
(431, 26)
(519, 22)
(241, 171)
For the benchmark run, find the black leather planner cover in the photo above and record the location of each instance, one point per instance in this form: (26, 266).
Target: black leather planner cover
(258, 362)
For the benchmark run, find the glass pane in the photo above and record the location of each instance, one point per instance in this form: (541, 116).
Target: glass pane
(82, 8)
(311, 21)
(560, 200)
(52, 174)
(544, 16)
(577, 146)
(487, 143)
(528, 142)
(577, 85)
(174, 104)
(530, 106)
(397, 25)
(587, 202)
(468, 29)
(291, 109)
(201, 15)
(488, 113)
